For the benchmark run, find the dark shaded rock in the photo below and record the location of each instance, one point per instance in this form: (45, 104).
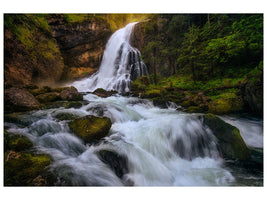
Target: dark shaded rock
(17, 118)
(103, 93)
(71, 94)
(31, 86)
(48, 97)
(117, 163)
(230, 142)
(38, 91)
(252, 93)
(16, 142)
(65, 116)
(55, 104)
(75, 104)
(90, 128)
(19, 100)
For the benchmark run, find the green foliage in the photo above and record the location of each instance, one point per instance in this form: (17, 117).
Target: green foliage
(77, 18)
(33, 31)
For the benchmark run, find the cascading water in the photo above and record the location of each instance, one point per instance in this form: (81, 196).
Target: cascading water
(121, 65)
(158, 147)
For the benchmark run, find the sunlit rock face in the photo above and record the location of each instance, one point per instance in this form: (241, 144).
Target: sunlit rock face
(82, 44)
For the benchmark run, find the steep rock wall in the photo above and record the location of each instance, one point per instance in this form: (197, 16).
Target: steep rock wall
(47, 49)
(82, 44)
(31, 54)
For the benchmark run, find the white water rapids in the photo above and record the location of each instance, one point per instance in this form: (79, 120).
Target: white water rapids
(163, 147)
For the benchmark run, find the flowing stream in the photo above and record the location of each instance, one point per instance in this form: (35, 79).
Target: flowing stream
(162, 147)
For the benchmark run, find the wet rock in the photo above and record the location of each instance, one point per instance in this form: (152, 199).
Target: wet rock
(230, 143)
(117, 162)
(38, 91)
(103, 93)
(48, 97)
(71, 94)
(55, 104)
(16, 142)
(19, 100)
(90, 128)
(65, 116)
(74, 104)
(17, 118)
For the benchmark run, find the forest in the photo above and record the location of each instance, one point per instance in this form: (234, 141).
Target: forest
(212, 53)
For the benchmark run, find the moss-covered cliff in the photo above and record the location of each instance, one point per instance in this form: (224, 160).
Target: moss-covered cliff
(46, 49)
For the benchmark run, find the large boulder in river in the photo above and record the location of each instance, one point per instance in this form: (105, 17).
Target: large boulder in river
(230, 142)
(90, 128)
(118, 163)
(71, 94)
(104, 93)
(19, 100)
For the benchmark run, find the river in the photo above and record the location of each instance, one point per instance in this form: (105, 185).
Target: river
(162, 147)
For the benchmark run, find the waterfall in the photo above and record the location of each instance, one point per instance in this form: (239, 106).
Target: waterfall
(156, 147)
(121, 64)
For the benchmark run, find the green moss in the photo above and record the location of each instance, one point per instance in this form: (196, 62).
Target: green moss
(226, 103)
(48, 97)
(90, 128)
(220, 106)
(20, 169)
(230, 142)
(74, 104)
(194, 109)
(19, 143)
(16, 142)
(77, 18)
(65, 116)
(152, 93)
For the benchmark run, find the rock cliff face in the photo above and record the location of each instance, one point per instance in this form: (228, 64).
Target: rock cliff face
(47, 49)
(82, 44)
(31, 54)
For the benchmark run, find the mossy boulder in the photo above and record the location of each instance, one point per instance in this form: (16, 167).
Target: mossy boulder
(194, 109)
(48, 97)
(90, 128)
(71, 94)
(16, 142)
(104, 93)
(65, 116)
(225, 105)
(74, 104)
(230, 143)
(23, 169)
(42, 90)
